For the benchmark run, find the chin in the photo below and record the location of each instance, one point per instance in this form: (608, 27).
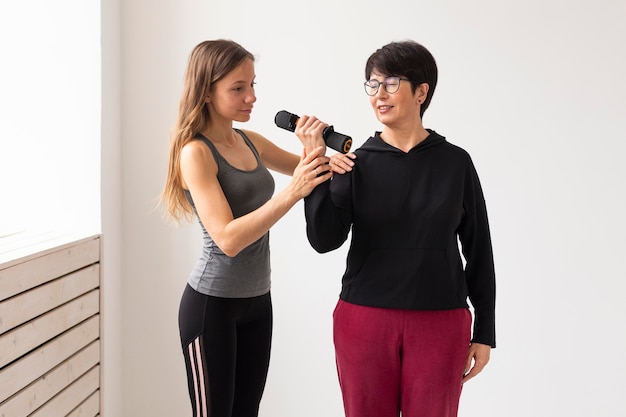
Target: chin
(243, 119)
(383, 118)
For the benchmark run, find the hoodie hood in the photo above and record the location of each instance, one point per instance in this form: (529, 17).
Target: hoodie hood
(376, 144)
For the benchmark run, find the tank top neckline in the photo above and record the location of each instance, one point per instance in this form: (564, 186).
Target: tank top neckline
(248, 143)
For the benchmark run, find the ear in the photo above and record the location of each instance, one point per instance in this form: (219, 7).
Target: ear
(421, 92)
(207, 99)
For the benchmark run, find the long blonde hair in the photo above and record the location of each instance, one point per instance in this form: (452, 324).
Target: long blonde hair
(209, 62)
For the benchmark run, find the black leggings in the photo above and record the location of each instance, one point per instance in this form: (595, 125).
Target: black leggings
(226, 344)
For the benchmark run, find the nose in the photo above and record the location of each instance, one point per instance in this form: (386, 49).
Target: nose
(381, 90)
(251, 97)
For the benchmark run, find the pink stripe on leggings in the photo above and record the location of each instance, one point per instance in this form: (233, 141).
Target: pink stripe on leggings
(195, 357)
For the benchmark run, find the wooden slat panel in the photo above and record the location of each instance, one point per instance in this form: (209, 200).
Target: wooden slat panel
(21, 275)
(72, 396)
(31, 304)
(89, 408)
(27, 337)
(49, 385)
(49, 284)
(21, 373)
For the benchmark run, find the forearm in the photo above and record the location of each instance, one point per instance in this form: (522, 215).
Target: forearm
(238, 233)
(481, 283)
(327, 225)
(484, 326)
(247, 229)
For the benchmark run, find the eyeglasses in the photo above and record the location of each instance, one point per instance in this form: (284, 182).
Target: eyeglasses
(390, 84)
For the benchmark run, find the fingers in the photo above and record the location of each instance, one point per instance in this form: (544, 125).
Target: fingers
(309, 130)
(342, 163)
(315, 158)
(478, 354)
(310, 124)
(311, 171)
(322, 171)
(313, 174)
(314, 163)
(314, 153)
(320, 166)
(471, 374)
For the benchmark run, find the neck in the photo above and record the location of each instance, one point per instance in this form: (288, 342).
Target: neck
(224, 135)
(404, 139)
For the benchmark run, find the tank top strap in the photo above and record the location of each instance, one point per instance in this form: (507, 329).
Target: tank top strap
(219, 159)
(216, 155)
(250, 145)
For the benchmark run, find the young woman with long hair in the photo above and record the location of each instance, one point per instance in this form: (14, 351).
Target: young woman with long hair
(221, 175)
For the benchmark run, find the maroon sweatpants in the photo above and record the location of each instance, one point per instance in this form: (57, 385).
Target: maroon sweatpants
(392, 360)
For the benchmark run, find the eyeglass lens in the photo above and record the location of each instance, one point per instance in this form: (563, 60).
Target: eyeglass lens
(390, 84)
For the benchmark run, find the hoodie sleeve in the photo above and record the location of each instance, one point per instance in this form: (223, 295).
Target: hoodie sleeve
(475, 240)
(328, 213)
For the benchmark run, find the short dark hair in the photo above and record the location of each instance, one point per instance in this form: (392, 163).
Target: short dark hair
(406, 59)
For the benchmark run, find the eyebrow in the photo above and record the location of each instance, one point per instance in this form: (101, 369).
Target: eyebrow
(243, 81)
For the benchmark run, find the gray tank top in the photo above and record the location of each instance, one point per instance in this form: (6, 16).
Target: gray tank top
(248, 273)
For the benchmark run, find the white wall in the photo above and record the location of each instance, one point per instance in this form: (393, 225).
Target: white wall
(111, 201)
(49, 147)
(533, 90)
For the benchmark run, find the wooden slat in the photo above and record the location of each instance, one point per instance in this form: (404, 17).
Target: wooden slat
(89, 408)
(49, 385)
(29, 336)
(26, 306)
(72, 396)
(28, 272)
(21, 373)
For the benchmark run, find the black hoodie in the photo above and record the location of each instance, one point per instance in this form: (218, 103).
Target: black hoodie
(408, 211)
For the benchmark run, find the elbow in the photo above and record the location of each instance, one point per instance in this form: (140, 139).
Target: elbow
(324, 246)
(229, 247)
(231, 253)
(323, 250)
(326, 241)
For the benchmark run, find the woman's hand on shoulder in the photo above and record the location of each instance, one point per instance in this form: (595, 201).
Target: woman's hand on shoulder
(341, 163)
